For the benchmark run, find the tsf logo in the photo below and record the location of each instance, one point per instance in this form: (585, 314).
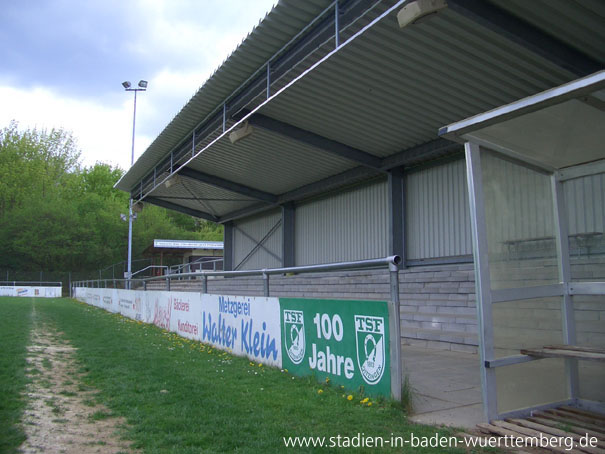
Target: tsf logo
(369, 334)
(294, 335)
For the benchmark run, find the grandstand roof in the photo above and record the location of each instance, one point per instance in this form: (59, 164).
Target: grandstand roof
(337, 111)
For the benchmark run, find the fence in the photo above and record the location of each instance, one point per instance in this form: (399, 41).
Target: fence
(80, 290)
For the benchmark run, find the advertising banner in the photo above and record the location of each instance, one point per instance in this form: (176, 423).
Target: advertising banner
(247, 326)
(186, 314)
(345, 341)
(30, 291)
(161, 308)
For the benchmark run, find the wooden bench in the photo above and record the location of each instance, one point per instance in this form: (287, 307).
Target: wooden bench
(566, 351)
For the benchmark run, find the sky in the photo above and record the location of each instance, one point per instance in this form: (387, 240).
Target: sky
(62, 64)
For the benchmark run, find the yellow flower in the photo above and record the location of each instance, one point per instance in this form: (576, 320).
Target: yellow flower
(327, 379)
(349, 397)
(365, 400)
(320, 391)
(260, 365)
(369, 404)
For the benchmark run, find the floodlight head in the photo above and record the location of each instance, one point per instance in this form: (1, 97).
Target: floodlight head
(142, 84)
(241, 133)
(174, 179)
(418, 10)
(126, 84)
(123, 217)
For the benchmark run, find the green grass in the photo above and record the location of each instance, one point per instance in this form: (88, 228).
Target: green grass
(15, 321)
(180, 396)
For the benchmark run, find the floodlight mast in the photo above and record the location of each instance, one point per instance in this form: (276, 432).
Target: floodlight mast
(142, 86)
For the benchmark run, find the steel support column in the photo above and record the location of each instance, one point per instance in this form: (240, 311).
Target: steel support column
(228, 246)
(482, 279)
(567, 312)
(396, 209)
(288, 246)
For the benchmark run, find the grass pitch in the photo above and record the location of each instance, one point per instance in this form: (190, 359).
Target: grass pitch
(181, 396)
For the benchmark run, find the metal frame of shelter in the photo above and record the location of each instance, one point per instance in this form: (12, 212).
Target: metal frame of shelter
(477, 145)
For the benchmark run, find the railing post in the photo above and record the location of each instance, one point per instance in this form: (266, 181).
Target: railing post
(266, 283)
(395, 332)
(204, 284)
(167, 282)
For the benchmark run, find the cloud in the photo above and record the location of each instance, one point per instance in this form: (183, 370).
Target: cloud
(103, 132)
(63, 64)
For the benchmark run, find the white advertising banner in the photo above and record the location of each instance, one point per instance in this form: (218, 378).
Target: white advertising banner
(161, 309)
(185, 317)
(30, 291)
(246, 326)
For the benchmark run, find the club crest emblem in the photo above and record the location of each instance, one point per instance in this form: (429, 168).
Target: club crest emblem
(369, 335)
(294, 335)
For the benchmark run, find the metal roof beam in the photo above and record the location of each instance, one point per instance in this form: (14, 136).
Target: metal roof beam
(310, 138)
(228, 185)
(526, 35)
(183, 209)
(427, 151)
(423, 152)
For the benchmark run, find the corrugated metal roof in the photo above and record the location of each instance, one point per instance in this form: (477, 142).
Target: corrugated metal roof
(202, 197)
(386, 90)
(280, 25)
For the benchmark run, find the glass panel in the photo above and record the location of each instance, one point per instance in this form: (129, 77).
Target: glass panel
(585, 201)
(520, 224)
(531, 323)
(531, 384)
(589, 313)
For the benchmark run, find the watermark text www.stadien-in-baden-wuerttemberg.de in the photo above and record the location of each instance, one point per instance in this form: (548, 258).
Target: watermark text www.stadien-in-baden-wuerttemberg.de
(361, 440)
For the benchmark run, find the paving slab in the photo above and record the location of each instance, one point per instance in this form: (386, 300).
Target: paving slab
(446, 386)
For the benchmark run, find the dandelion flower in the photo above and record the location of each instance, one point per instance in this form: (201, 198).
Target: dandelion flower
(327, 379)
(365, 400)
(369, 404)
(320, 391)
(349, 397)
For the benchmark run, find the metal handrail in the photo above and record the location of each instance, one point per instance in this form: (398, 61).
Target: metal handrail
(148, 267)
(51, 283)
(175, 269)
(392, 262)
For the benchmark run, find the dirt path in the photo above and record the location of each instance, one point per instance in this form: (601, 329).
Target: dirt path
(62, 415)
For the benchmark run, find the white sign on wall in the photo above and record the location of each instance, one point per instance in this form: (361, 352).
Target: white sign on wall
(30, 291)
(186, 308)
(247, 326)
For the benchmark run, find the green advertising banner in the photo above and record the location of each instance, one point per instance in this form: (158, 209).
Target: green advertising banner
(345, 341)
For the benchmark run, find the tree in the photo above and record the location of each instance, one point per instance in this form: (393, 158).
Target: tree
(56, 214)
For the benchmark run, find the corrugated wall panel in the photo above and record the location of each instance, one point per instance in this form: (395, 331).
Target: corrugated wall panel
(438, 218)
(256, 228)
(351, 225)
(585, 199)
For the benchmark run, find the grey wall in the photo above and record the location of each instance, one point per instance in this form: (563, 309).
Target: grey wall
(250, 231)
(438, 219)
(349, 225)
